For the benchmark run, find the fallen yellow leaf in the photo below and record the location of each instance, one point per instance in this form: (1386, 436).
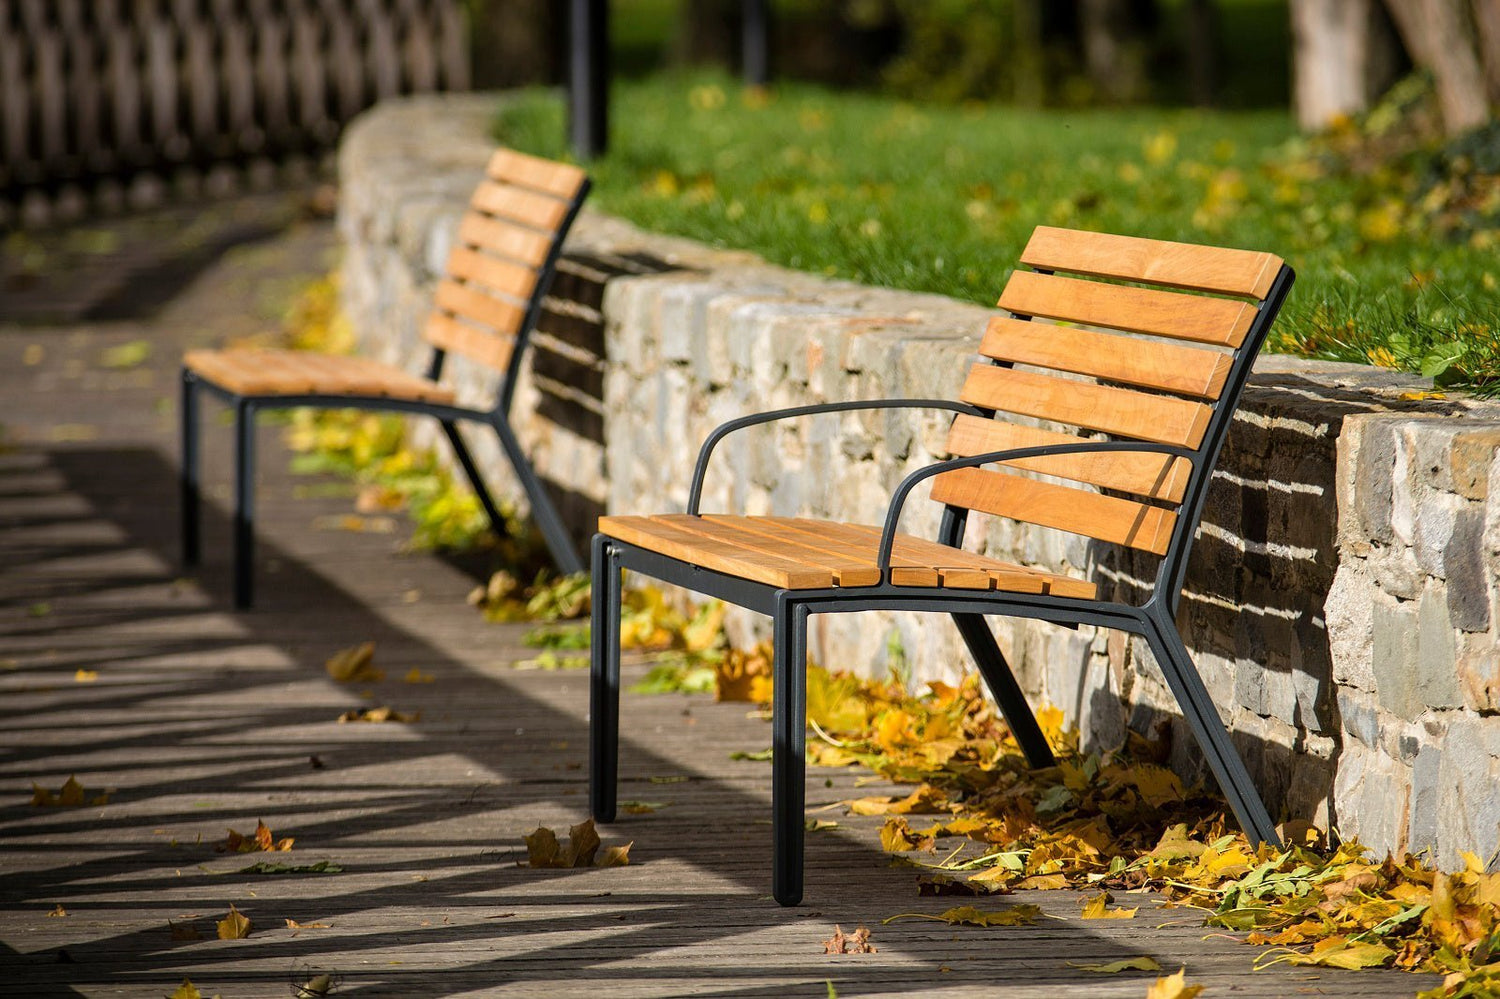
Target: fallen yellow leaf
(85, 675)
(187, 990)
(354, 665)
(384, 713)
(1173, 987)
(235, 926)
(1142, 963)
(58, 911)
(1098, 908)
(260, 841)
(415, 675)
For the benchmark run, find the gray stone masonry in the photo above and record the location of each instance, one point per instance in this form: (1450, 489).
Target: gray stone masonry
(1341, 596)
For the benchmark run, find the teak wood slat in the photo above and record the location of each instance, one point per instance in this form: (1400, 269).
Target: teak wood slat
(470, 303)
(289, 373)
(1105, 518)
(1003, 575)
(1197, 371)
(847, 570)
(1157, 476)
(654, 535)
(1172, 314)
(491, 272)
(1154, 261)
(950, 567)
(519, 205)
(504, 238)
(561, 180)
(447, 333)
(1163, 419)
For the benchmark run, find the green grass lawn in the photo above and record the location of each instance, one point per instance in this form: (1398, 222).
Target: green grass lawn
(938, 198)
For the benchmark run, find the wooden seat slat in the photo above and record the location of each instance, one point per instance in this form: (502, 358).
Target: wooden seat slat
(1157, 476)
(1154, 261)
(1109, 356)
(963, 569)
(491, 272)
(265, 372)
(470, 303)
(561, 180)
(744, 533)
(1124, 412)
(1172, 314)
(448, 333)
(1106, 518)
(504, 238)
(518, 204)
(652, 534)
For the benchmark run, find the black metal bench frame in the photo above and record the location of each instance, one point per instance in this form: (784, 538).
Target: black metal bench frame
(559, 543)
(790, 608)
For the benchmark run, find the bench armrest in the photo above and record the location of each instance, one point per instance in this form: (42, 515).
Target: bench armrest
(898, 498)
(725, 429)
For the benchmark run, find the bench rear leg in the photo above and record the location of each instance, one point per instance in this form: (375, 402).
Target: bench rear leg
(604, 682)
(789, 751)
(471, 471)
(1203, 718)
(244, 504)
(543, 511)
(188, 476)
(1003, 687)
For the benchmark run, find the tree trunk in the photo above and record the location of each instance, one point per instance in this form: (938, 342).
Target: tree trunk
(1487, 20)
(1331, 53)
(1203, 51)
(1439, 38)
(515, 42)
(1114, 48)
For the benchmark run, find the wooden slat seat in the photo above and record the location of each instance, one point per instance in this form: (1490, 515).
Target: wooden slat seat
(799, 554)
(259, 372)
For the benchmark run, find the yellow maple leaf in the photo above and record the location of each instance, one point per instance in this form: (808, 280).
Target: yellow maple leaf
(1142, 963)
(234, 926)
(415, 675)
(187, 990)
(1173, 987)
(260, 841)
(1098, 908)
(354, 665)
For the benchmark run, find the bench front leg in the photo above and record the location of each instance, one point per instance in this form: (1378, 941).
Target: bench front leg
(244, 503)
(788, 749)
(604, 681)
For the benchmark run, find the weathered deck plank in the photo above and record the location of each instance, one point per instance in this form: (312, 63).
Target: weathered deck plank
(200, 719)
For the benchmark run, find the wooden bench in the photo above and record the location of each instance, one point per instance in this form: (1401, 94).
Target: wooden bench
(484, 309)
(1146, 365)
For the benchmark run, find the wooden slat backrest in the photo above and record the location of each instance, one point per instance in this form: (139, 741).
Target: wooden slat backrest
(505, 240)
(1120, 360)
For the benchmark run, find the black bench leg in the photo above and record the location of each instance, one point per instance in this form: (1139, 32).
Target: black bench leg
(187, 413)
(244, 503)
(789, 750)
(471, 470)
(559, 543)
(604, 682)
(1003, 687)
(1203, 718)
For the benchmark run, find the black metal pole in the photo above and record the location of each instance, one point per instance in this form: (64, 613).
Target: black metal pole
(588, 77)
(755, 42)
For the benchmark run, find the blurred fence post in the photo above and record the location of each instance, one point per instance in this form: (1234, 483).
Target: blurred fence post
(755, 43)
(588, 77)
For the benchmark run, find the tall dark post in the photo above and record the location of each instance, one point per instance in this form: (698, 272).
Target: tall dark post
(588, 77)
(755, 42)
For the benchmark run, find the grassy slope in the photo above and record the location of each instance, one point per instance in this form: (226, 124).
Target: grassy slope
(942, 199)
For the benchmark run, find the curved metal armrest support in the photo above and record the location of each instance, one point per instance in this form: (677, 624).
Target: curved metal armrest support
(725, 429)
(898, 498)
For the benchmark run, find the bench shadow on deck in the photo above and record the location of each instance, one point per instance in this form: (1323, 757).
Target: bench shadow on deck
(701, 921)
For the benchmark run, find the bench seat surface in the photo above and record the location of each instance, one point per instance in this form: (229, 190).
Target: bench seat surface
(257, 372)
(800, 554)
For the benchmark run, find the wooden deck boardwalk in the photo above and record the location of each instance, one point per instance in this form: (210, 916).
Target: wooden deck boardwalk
(201, 719)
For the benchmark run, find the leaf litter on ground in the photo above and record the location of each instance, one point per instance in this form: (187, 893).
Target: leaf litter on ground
(582, 849)
(70, 795)
(260, 841)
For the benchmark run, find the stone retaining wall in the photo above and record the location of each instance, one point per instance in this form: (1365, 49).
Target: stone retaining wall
(1341, 599)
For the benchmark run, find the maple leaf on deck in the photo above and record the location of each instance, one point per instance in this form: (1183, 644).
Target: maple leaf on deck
(1098, 908)
(1173, 987)
(1142, 963)
(234, 926)
(857, 942)
(355, 664)
(187, 990)
(969, 915)
(384, 713)
(260, 841)
(70, 795)
(897, 836)
(582, 850)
